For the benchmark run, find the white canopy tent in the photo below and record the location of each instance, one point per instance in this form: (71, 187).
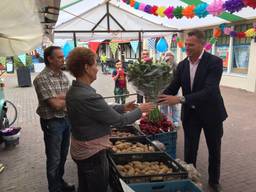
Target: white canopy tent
(25, 24)
(20, 27)
(108, 21)
(73, 8)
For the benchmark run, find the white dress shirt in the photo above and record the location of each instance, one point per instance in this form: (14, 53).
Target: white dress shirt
(193, 67)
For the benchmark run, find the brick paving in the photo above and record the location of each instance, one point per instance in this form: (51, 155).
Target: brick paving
(25, 164)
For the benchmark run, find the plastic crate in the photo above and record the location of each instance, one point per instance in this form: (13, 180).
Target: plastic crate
(169, 139)
(178, 171)
(167, 186)
(130, 129)
(141, 139)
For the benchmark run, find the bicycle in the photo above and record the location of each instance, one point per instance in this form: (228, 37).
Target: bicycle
(8, 115)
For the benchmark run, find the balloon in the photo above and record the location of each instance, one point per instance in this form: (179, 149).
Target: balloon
(162, 45)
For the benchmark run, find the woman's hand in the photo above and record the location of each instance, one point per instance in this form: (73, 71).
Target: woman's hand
(146, 107)
(130, 106)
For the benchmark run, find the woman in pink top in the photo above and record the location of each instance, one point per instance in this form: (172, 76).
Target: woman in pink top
(91, 117)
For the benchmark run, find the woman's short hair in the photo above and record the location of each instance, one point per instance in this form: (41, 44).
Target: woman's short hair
(78, 58)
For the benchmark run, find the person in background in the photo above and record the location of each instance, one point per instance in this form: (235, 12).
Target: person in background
(91, 118)
(119, 76)
(51, 86)
(103, 60)
(203, 107)
(146, 59)
(171, 111)
(145, 56)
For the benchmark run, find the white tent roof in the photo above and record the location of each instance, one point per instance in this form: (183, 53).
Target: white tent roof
(24, 23)
(68, 19)
(20, 28)
(120, 20)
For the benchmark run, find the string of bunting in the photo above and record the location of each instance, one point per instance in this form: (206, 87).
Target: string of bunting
(217, 32)
(216, 8)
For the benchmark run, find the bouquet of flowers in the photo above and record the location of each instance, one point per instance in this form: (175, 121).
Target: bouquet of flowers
(150, 79)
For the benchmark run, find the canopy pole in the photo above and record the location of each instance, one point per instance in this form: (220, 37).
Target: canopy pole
(140, 46)
(108, 22)
(74, 39)
(139, 97)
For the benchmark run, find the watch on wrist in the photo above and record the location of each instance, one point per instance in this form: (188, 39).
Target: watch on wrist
(182, 99)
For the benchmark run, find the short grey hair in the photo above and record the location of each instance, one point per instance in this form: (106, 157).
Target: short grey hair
(198, 34)
(169, 53)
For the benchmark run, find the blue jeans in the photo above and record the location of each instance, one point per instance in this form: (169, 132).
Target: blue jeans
(56, 139)
(171, 112)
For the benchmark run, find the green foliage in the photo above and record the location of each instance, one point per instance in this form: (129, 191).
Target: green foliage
(18, 63)
(150, 78)
(3, 60)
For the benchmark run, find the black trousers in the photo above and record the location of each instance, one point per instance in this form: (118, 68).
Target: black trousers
(213, 134)
(93, 173)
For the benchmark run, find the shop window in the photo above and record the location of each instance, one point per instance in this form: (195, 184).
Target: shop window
(208, 35)
(173, 48)
(241, 51)
(221, 49)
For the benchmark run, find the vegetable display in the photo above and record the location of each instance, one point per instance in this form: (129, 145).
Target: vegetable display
(160, 125)
(124, 146)
(138, 168)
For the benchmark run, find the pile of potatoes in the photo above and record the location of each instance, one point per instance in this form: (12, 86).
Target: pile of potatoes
(116, 133)
(138, 168)
(124, 146)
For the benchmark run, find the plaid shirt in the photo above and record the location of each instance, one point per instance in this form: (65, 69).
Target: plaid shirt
(49, 85)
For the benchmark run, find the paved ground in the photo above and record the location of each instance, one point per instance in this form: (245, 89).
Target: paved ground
(25, 164)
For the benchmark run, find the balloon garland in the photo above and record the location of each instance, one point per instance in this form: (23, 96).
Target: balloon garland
(217, 32)
(216, 8)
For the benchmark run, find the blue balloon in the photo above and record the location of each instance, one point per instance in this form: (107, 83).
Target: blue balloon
(162, 45)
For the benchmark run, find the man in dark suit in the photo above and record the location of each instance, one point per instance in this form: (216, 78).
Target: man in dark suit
(199, 77)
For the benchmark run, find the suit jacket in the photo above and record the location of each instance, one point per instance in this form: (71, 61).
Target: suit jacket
(204, 98)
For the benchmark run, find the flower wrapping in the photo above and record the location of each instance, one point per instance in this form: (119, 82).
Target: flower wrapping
(150, 79)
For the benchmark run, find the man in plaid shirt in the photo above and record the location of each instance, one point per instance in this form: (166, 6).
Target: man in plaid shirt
(51, 86)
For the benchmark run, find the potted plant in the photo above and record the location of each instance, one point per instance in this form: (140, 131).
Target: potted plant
(23, 71)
